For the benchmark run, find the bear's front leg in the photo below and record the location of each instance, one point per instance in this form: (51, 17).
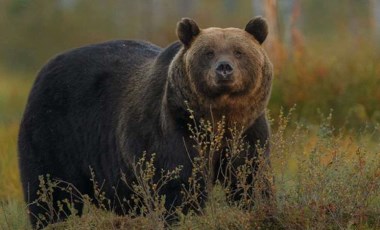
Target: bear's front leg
(248, 175)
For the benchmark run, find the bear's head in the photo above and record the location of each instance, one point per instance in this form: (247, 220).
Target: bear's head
(226, 70)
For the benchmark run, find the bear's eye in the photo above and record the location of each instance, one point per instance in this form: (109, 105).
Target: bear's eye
(238, 53)
(210, 54)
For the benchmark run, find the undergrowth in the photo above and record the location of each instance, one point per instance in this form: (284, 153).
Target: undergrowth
(324, 177)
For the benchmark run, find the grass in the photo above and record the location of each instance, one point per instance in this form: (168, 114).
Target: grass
(324, 178)
(10, 184)
(13, 93)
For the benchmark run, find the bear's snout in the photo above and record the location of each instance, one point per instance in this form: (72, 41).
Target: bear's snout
(224, 71)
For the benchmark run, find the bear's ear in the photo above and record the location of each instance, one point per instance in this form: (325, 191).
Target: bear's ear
(258, 27)
(187, 29)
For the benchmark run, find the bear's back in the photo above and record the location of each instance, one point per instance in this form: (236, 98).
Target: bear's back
(74, 102)
(119, 56)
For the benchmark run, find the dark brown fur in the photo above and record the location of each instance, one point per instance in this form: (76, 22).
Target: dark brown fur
(103, 105)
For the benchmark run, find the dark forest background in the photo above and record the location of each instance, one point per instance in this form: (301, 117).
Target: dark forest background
(325, 52)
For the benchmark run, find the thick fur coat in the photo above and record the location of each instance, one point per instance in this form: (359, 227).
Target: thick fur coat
(103, 105)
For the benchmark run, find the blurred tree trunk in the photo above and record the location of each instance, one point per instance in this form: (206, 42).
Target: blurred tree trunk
(273, 45)
(158, 16)
(297, 41)
(185, 7)
(270, 12)
(375, 18)
(145, 19)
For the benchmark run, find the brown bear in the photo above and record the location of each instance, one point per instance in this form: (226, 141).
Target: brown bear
(103, 105)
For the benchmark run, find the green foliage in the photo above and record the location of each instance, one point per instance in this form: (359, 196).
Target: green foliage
(344, 82)
(327, 60)
(13, 215)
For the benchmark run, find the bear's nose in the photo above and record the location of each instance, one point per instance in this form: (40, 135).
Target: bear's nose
(224, 71)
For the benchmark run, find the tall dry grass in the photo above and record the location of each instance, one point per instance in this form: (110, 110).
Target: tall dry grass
(325, 177)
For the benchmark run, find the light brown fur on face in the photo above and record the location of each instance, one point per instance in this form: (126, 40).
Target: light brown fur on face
(246, 98)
